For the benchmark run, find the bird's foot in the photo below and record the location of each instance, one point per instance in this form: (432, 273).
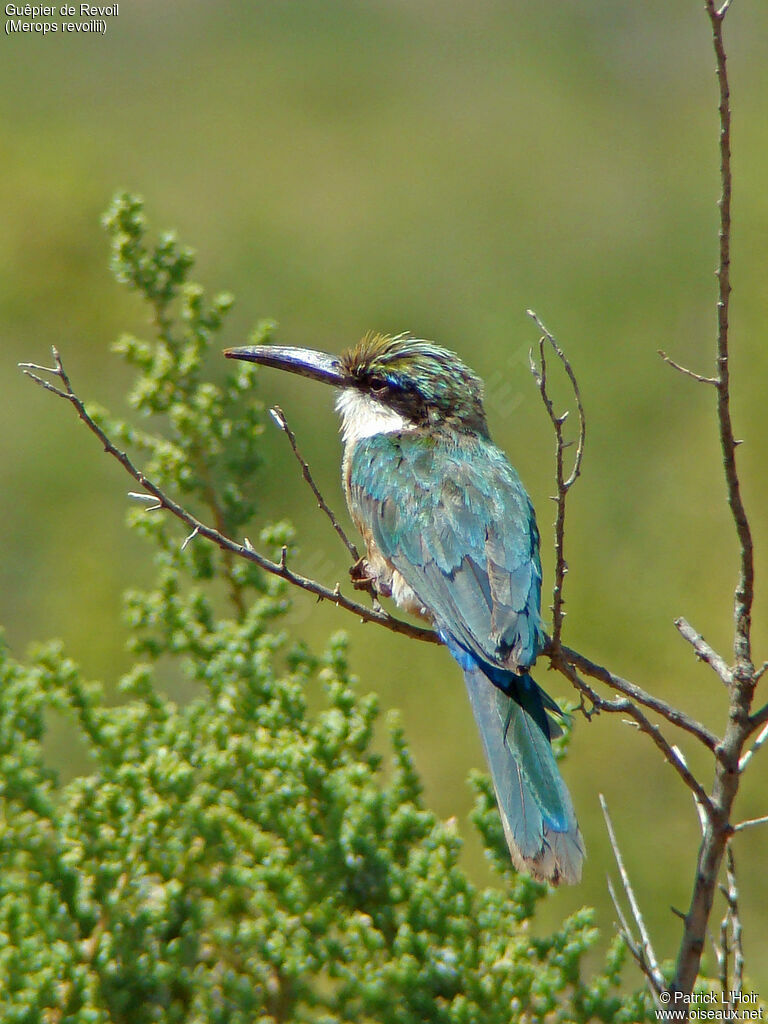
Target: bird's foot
(363, 578)
(361, 575)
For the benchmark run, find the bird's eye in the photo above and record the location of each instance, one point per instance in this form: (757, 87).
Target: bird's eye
(378, 386)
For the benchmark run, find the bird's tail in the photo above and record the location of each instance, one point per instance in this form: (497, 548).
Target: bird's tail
(536, 810)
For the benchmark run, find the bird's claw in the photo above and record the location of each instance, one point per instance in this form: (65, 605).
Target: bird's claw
(361, 576)
(364, 578)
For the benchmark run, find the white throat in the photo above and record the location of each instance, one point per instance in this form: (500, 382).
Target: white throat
(363, 416)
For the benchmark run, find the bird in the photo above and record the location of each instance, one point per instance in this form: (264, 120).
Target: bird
(450, 535)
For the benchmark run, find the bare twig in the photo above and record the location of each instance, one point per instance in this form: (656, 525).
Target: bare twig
(567, 657)
(751, 823)
(245, 550)
(625, 931)
(563, 482)
(759, 718)
(623, 706)
(190, 537)
(279, 418)
(745, 587)
(647, 960)
(578, 458)
(731, 893)
(684, 369)
(361, 583)
(759, 742)
(723, 958)
(704, 652)
(150, 502)
(562, 658)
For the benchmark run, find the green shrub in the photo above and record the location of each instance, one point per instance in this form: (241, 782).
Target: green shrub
(240, 858)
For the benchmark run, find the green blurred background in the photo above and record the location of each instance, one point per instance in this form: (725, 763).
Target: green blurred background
(433, 167)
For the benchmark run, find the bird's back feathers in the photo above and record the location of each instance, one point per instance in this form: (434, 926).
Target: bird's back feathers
(453, 518)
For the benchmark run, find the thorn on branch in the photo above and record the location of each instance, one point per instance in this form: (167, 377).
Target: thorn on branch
(151, 502)
(191, 537)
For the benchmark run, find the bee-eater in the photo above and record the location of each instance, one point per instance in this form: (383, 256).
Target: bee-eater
(450, 534)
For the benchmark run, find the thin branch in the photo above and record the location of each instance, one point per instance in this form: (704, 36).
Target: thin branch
(705, 814)
(190, 537)
(684, 369)
(568, 657)
(704, 652)
(621, 705)
(731, 892)
(759, 742)
(625, 932)
(563, 482)
(744, 593)
(751, 823)
(759, 718)
(722, 955)
(648, 962)
(150, 502)
(279, 418)
(578, 458)
(246, 550)
(624, 928)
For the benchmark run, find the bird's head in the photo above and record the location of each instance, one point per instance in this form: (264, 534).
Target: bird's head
(388, 379)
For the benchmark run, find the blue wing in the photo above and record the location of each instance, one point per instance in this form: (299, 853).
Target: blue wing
(454, 519)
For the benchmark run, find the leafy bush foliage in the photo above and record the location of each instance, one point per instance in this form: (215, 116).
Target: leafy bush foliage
(240, 858)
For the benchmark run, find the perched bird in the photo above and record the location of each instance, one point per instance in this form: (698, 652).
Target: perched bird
(451, 535)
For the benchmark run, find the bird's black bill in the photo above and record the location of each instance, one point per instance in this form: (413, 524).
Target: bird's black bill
(305, 361)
